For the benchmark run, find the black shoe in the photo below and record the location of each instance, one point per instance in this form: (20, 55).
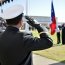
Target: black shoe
(58, 42)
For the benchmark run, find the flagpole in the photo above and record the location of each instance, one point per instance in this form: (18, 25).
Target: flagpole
(26, 24)
(26, 7)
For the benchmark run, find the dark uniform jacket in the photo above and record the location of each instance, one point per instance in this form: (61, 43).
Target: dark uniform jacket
(16, 47)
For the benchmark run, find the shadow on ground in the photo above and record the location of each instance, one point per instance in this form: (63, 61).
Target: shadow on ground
(59, 63)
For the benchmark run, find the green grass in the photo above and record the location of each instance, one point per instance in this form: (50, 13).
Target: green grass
(57, 52)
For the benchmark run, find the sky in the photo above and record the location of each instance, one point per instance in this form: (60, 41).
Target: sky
(43, 8)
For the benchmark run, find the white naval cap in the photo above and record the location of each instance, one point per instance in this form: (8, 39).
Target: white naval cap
(11, 10)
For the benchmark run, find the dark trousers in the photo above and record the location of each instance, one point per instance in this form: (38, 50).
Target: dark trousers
(58, 37)
(63, 38)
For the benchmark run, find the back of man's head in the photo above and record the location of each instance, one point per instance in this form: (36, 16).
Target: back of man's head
(14, 21)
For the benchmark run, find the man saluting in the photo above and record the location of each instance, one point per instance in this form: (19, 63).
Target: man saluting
(16, 46)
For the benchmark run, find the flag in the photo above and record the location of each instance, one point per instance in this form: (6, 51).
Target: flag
(53, 19)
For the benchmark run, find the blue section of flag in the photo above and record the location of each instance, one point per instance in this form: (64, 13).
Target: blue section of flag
(52, 10)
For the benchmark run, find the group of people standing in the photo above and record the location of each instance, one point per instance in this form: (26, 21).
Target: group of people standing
(61, 34)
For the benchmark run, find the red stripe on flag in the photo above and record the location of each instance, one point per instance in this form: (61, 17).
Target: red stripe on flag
(53, 26)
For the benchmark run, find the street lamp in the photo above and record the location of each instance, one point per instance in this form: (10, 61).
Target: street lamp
(1, 2)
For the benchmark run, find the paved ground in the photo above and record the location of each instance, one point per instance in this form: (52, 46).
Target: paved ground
(39, 60)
